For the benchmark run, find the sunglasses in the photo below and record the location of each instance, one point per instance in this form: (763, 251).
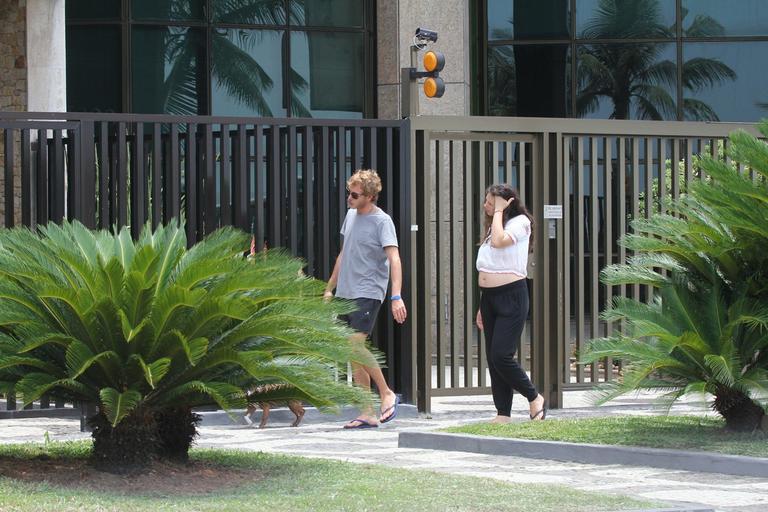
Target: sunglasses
(353, 195)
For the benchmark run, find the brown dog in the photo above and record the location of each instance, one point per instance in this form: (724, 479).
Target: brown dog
(294, 405)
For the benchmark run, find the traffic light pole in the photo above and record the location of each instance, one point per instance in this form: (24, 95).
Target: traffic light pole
(409, 87)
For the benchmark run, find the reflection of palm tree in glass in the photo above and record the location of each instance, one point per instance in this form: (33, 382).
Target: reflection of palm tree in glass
(631, 74)
(234, 69)
(502, 81)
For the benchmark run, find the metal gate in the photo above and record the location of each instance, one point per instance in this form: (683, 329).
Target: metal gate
(583, 181)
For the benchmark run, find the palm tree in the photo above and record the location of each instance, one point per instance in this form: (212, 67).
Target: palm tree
(147, 330)
(706, 331)
(631, 75)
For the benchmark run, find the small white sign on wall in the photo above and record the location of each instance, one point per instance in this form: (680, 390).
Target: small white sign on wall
(553, 211)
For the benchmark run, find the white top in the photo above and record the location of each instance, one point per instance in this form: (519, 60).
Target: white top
(512, 259)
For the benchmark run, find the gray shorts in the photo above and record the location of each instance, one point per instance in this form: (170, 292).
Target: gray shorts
(364, 318)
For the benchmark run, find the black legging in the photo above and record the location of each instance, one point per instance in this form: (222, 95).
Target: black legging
(504, 310)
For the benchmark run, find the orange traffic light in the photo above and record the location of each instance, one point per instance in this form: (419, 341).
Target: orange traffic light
(434, 87)
(434, 62)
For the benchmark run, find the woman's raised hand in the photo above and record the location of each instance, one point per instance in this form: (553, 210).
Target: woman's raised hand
(500, 204)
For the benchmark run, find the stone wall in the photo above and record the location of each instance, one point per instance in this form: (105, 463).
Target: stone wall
(13, 58)
(13, 86)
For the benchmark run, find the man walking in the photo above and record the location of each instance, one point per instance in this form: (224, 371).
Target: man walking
(369, 255)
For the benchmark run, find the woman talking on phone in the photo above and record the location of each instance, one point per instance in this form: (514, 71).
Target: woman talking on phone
(502, 262)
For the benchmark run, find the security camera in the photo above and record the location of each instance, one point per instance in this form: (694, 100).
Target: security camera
(423, 34)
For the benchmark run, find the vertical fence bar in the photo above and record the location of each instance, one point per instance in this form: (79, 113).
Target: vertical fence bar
(58, 192)
(663, 175)
(308, 186)
(225, 178)
(209, 197)
(482, 184)
(122, 176)
(138, 181)
(440, 251)
(28, 181)
(635, 195)
(341, 172)
(324, 200)
(87, 173)
(273, 184)
(608, 238)
(578, 256)
(157, 176)
(43, 212)
(675, 169)
(566, 260)
(9, 161)
(470, 330)
(260, 177)
(458, 265)
(293, 191)
(594, 249)
(74, 179)
(173, 177)
(241, 187)
(190, 183)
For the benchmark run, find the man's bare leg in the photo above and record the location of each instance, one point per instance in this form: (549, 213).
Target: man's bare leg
(363, 375)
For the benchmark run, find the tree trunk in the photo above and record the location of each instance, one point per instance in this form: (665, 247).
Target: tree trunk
(176, 429)
(128, 447)
(741, 414)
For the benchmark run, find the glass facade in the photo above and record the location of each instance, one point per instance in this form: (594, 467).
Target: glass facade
(303, 58)
(624, 59)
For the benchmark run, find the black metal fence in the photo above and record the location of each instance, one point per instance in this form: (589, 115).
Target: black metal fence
(284, 180)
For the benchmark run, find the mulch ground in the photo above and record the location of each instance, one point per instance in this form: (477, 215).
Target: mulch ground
(159, 479)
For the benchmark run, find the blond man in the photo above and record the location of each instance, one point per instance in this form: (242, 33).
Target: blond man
(368, 258)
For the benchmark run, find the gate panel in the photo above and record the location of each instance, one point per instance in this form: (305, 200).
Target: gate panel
(456, 168)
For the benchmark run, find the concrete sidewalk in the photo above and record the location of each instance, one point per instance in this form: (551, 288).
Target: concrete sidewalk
(326, 439)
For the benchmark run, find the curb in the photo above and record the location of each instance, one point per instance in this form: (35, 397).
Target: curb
(701, 462)
(279, 417)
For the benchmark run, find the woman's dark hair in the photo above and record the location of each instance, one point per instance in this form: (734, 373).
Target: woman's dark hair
(514, 209)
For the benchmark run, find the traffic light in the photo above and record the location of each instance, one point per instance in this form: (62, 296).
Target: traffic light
(434, 62)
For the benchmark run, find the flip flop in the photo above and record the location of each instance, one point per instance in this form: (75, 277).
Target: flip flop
(361, 423)
(392, 408)
(541, 412)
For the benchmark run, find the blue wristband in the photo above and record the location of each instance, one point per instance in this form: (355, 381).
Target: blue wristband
(395, 297)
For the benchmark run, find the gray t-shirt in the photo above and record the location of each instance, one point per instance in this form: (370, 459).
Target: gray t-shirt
(364, 271)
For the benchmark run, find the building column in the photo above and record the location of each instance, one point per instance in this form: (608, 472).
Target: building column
(396, 22)
(46, 56)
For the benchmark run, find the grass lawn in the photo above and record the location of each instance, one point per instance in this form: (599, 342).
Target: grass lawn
(282, 483)
(676, 432)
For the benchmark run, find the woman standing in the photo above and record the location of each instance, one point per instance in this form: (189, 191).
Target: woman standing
(502, 262)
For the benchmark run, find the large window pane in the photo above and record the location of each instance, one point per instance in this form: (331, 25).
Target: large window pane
(327, 78)
(94, 76)
(92, 9)
(167, 70)
(520, 84)
(250, 12)
(728, 82)
(327, 13)
(625, 19)
(167, 10)
(247, 74)
(707, 18)
(525, 19)
(626, 81)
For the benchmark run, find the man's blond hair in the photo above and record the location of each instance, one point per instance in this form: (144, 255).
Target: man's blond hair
(369, 181)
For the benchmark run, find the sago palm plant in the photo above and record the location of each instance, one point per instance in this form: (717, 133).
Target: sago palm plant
(706, 330)
(148, 329)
